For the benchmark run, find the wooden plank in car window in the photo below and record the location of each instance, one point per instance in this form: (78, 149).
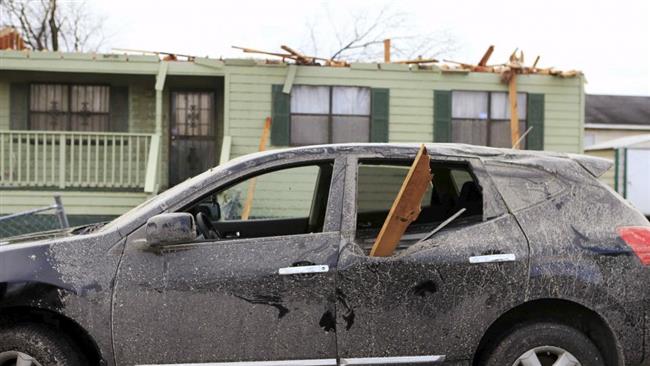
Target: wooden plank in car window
(406, 207)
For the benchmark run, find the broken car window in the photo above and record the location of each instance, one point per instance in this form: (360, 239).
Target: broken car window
(453, 187)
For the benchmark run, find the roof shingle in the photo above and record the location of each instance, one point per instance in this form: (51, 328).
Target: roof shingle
(617, 109)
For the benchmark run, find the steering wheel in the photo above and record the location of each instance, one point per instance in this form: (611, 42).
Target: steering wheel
(206, 227)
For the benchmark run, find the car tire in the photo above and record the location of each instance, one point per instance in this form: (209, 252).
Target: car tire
(545, 341)
(42, 344)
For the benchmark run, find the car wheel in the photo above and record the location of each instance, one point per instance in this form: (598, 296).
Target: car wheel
(545, 344)
(35, 345)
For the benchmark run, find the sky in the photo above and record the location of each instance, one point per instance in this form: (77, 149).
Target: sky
(608, 40)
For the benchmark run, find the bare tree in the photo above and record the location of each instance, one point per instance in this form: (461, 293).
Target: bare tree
(360, 36)
(54, 25)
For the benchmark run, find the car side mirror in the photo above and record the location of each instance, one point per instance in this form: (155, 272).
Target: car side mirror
(171, 228)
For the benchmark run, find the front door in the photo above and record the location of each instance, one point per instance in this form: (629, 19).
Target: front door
(263, 291)
(193, 137)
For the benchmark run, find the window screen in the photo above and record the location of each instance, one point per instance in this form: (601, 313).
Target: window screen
(323, 114)
(483, 118)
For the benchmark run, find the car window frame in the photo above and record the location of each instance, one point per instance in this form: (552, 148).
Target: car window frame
(333, 217)
(493, 204)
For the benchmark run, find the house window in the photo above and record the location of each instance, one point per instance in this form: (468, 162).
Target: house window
(590, 138)
(63, 107)
(483, 118)
(323, 114)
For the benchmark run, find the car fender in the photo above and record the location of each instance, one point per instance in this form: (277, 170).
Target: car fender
(71, 278)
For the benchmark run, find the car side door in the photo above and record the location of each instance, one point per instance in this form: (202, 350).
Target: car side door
(250, 296)
(432, 301)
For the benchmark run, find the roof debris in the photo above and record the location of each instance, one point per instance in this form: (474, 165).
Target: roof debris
(515, 64)
(10, 39)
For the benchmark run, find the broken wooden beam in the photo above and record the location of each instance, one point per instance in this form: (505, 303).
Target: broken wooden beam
(535, 63)
(300, 58)
(417, 61)
(486, 56)
(386, 50)
(514, 111)
(250, 194)
(406, 207)
(252, 50)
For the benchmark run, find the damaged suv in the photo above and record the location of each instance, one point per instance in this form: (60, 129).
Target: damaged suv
(515, 258)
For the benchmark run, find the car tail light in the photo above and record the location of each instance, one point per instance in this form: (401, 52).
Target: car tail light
(638, 238)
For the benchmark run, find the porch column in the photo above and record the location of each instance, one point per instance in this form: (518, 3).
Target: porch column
(160, 86)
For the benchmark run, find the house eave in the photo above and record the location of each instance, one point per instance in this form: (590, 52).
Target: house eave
(104, 64)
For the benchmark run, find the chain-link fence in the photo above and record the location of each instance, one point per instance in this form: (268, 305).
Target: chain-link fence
(35, 220)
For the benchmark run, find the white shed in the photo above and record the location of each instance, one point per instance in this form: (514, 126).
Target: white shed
(631, 173)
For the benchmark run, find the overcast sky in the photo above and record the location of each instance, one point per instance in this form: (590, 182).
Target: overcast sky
(608, 40)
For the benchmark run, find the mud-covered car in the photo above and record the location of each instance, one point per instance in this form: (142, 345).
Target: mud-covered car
(265, 261)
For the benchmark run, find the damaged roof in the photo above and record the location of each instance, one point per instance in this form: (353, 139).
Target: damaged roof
(147, 63)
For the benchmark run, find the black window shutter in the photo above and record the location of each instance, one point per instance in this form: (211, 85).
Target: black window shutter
(119, 109)
(442, 116)
(19, 106)
(535, 138)
(280, 116)
(380, 99)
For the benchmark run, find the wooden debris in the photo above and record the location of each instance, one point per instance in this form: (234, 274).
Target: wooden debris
(386, 50)
(521, 138)
(252, 50)
(406, 207)
(417, 61)
(296, 56)
(535, 63)
(167, 56)
(10, 39)
(514, 112)
(486, 56)
(515, 64)
(302, 59)
(250, 194)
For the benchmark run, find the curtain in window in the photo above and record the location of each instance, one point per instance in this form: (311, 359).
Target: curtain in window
(483, 118)
(48, 106)
(469, 105)
(314, 120)
(309, 130)
(351, 100)
(69, 107)
(469, 132)
(500, 106)
(351, 110)
(350, 129)
(500, 134)
(89, 107)
(307, 99)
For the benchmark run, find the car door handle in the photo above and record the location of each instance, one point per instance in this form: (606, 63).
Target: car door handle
(295, 270)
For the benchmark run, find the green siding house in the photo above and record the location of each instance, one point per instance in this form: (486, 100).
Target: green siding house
(107, 131)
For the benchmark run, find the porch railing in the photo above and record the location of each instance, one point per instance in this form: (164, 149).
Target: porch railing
(62, 159)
